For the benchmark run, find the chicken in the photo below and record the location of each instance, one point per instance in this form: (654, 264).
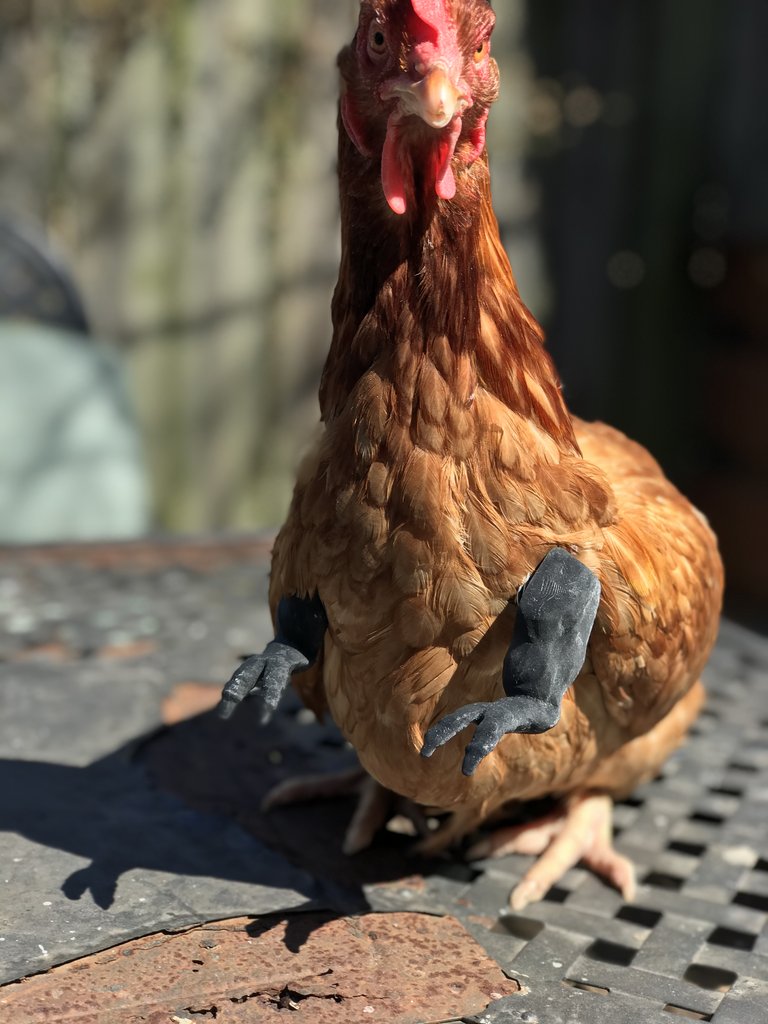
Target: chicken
(495, 601)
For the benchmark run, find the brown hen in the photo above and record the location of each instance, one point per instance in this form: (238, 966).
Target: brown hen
(448, 467)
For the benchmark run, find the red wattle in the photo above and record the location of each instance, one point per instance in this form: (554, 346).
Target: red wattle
(353, 125)
(392, 178)
(445, 182)
(477, 138)
(439, 160)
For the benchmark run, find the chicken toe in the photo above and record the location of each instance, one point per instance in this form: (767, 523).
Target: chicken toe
(580, 832)
(302, 789)
(376, 805)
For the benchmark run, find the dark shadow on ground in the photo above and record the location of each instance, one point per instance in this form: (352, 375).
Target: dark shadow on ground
(171, 802)
(227, 768)
(109, 814)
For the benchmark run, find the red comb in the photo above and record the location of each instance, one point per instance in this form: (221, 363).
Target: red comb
(433, 13)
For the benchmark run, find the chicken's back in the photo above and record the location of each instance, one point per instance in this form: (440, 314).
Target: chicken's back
(662, 583)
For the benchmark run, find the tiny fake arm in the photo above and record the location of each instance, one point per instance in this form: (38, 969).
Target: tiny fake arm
(301, 626)
(556, 611)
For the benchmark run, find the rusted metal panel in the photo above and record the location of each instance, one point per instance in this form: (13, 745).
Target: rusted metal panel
(189, 699)
(410, 968)
(201, 553)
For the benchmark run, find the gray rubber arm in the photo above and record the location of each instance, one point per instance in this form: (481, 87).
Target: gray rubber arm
(301, 626)
(556, 612)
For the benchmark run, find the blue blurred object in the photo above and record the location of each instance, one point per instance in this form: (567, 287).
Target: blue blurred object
(71, 466)
(35, 283)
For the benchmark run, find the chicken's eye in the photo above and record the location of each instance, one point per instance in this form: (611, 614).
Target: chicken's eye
(377, 41)
(482, 51)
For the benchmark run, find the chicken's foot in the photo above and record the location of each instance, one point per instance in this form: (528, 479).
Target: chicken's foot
(556, 612)
(580, 831)
(301, 626)
(376, 805)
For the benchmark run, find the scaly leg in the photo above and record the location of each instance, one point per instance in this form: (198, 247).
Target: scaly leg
(301, 625)
(375, 807)
(581, 831)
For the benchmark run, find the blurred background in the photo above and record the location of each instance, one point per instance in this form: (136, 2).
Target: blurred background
(168, 249)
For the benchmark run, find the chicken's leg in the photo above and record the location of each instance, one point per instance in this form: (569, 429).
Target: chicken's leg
(301, 626)
(580, 831)
(376, 805)
(556, 612)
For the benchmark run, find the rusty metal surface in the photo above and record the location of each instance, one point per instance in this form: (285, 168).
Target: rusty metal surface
(91, 853)
(228, 768)
(124, 815)
(409, 968)
(186, 700)
(197, 553)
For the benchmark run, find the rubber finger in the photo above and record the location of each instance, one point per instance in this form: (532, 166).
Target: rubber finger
(484, 741)
(450, 727)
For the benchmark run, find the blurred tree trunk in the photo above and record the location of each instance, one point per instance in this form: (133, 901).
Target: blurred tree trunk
(633, 84)
(183, 152)
(184, 155)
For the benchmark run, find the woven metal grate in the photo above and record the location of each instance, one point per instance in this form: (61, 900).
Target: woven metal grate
(695, 943)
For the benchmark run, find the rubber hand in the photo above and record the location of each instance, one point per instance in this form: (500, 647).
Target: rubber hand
(263, 677)
(494, 720)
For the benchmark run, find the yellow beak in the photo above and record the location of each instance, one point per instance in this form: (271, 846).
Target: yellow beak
(434, 98)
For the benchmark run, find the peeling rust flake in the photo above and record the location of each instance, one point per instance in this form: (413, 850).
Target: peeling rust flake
(405, 967)
(189, 699)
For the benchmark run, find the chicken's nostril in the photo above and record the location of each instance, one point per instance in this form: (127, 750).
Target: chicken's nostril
(439, 99)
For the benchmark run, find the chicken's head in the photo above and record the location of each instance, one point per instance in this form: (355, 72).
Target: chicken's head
(418, 81)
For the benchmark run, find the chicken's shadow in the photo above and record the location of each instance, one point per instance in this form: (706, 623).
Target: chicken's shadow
(108, 814)
(228, 767)
(184, 801)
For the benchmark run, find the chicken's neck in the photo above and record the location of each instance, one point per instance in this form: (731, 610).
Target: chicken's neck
(435, 284)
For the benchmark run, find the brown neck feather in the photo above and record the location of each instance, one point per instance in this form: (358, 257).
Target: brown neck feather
(439, 273)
